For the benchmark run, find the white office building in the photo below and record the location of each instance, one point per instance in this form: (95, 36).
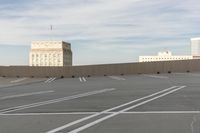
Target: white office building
(164, 56)
(195, 48)
(50, 53)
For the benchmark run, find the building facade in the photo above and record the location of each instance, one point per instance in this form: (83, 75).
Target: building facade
(164, 56)
(50, 53)
(195, 48)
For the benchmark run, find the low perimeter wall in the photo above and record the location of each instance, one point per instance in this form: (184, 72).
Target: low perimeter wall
(102, 70)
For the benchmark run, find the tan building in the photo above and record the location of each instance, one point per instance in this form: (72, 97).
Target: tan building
(50, 53)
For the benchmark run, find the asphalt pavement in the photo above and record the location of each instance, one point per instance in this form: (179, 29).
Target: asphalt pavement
(159, 103)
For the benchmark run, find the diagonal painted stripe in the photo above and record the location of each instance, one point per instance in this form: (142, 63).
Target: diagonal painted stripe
(84, 79)
(53, 79)
(25, 94)
(126, 109)
(80, 79)
(108, 110)
(18, 80)
(12, 109)
(48, 80)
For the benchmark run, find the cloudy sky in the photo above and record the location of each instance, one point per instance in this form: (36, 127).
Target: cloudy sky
(101, 31)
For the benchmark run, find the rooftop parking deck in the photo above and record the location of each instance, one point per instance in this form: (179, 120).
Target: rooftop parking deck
(159, 103)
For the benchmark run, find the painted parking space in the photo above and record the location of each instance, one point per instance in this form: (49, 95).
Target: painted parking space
(137, 104)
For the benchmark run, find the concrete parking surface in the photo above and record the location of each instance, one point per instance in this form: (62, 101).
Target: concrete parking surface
(160, 103)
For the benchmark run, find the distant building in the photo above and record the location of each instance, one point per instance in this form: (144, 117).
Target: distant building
(195, 48)
(50, 53)
(164, 56)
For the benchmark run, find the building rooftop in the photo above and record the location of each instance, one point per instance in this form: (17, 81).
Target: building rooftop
(195, 39)
(49, 41)
(49, 44)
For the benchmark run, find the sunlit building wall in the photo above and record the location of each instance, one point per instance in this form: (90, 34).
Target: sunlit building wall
(195, 48)
(164, 56)
(50, 53)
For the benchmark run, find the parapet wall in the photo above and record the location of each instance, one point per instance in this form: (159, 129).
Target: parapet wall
(102, 70)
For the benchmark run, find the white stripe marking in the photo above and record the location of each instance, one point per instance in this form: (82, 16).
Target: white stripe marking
(163, 112)
(162, 95)
(155, 76)
(12, 109)
(25, 94)
(105, 111)
(116, 78)
(84, 79)
(18, 80)
(85, 113)
(47, 80)
(126, 109)
(70, 113)
(80, 79)
(50, 80)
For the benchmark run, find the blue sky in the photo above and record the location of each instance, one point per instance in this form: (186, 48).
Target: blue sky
(101, 31)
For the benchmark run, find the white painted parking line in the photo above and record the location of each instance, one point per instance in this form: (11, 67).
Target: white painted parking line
(82, 79)
(18, 80)
(123, 110)
(116, 78)
(108, 110)
(26, 94)
(32, 114)
(154, 98)
(155, 76)
(90, 113)
(162, 112)
(53, 79)
(12, 109)
(50, 80)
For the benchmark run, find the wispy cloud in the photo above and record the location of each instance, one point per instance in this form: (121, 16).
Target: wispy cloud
(102, 25)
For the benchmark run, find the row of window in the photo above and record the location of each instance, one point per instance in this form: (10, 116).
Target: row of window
(45, 55)
(45, 59)
(46, 64)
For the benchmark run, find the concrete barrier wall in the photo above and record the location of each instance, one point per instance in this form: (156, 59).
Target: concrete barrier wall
(101, 70)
